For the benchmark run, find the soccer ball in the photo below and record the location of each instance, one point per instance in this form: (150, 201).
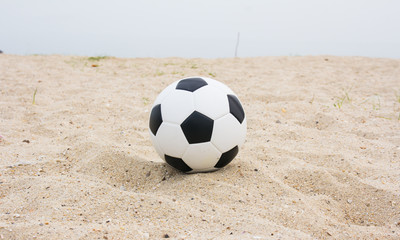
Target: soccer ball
(197, 124)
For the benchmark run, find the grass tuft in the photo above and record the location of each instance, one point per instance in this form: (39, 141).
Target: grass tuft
(376, 103)
(34, 97)
(312, 99)
(98, 58)
(341, 100)
(398, 97)
(159, 73)
(145, 100)
(212, 74)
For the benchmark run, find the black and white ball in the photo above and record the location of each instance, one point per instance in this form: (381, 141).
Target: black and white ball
(197, 124)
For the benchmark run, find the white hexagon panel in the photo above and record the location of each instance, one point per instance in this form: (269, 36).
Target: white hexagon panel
(224, 138)
(157, 146)
(211, 101)
(171, 140)
(219, 85)
(201, 156)
(177, 106)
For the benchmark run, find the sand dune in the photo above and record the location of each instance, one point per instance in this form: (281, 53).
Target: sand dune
(321, 158)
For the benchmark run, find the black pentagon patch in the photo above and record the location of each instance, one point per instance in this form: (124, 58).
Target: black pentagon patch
(197, 128)
(236, 108)
(155, 119)
(177, 163)
(227, 157)
(191, 84)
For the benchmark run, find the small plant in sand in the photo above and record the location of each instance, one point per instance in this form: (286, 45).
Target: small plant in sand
(212, 74)
(98, 58)
(376, 103)
(145, 100)
(34, 97)
(398, 97)
(178, 73)
(312, 99)
(342, 99)
(169, 64)
(159, 73)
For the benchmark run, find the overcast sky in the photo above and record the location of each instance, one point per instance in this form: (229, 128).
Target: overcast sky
(201, 28)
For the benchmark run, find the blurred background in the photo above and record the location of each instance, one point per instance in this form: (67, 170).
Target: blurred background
(201, 28)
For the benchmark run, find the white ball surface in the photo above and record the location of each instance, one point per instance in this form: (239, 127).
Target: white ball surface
(197, 124)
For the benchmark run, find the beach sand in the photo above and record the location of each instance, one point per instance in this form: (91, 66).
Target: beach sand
(321, 158)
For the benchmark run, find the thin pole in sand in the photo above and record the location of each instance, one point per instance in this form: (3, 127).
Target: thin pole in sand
(237, 44)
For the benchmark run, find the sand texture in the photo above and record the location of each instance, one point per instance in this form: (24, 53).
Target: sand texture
(321, 158)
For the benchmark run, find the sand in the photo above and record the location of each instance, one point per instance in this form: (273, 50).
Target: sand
(321, 158)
